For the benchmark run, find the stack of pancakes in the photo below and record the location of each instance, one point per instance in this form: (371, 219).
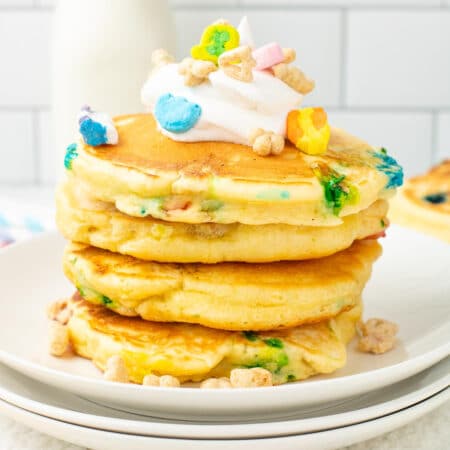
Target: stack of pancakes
(191, 259)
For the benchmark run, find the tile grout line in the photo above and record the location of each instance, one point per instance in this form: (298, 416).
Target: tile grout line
(35, 7)
(240, 4)
(24, 108)
(394, 109)
(388, 109)
(292, 7)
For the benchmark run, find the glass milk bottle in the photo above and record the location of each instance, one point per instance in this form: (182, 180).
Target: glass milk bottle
(101, 57)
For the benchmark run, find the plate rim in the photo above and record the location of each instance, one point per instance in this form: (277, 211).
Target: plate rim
(393, 421)
(77, 417)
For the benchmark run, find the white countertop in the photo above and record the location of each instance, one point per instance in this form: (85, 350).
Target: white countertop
(431, 432)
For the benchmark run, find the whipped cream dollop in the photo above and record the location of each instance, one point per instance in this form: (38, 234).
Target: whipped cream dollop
(230, 109)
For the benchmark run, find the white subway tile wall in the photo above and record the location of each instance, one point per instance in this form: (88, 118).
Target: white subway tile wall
(17, 150)
(47, 167)
(398, 58)
(443, 136)
(382, 69)
(25, 54)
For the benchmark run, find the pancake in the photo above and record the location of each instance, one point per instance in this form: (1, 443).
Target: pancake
(424, 202)
(227, 296)
(85, 220)
(149, 174)
(193, 352)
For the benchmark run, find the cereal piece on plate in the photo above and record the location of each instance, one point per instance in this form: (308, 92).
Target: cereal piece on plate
(255, 377)
(151, 380)
(58, 339)
(116, 370)
(377, 336)
(216, 383)
(59, 311)
(163, 381)
(265, 143)
(238, 63)
(169, 381)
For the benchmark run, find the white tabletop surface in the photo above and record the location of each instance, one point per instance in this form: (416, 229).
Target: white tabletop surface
(429, 432)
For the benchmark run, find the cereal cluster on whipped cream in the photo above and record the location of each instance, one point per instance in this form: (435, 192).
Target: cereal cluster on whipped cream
(230, 90)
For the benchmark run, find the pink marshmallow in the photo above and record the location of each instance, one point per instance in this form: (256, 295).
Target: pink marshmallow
(268, 55)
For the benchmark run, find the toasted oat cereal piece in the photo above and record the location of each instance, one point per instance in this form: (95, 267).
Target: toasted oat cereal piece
(294, 78)
(150, 380)
(116, 370)
(195, 71)
(163, 381)
(289, 55)
(265, 143)
(169, 381)
(58, 339)
(238, 63)
(161, 57)
(255, 377)
(216, 383)
(221, 21)
(377, 336)
(59, 311)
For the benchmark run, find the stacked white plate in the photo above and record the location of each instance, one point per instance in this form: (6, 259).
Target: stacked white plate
(68, 399)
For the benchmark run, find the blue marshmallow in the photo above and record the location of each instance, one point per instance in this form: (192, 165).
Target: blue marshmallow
(176, 114)
(96, 128)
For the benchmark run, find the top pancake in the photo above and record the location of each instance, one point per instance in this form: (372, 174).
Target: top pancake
(147, 173)
(424, 202)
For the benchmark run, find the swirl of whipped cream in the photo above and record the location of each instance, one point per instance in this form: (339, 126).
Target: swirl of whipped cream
(231, 109)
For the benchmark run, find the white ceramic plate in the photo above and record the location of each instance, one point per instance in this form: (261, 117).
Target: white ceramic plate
(38, 398)
(321, 440)
(410, 285)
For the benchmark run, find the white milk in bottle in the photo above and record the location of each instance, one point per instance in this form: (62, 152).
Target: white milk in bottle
(101, 57)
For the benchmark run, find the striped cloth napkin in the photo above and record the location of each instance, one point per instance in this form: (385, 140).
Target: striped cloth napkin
(23, 221)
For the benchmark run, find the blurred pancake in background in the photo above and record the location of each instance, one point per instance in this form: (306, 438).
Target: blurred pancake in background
(423, 202)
